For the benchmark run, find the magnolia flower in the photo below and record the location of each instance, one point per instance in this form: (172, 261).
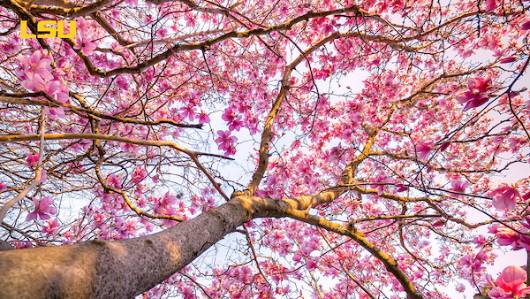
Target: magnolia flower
(34, 82)
(476, 94)
(423, 150)
(510, 284)
(491, 5)
(226, 142)
(505, 197)
(38, 63)
(203, 118)
(51, 226)
(37, 71)
(32, 159)
(526, 25)
(43, 209)
(505, 236)
(508, 59)
(459, 186)
(138, 175)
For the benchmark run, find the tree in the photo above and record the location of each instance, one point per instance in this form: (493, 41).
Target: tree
(361, 149)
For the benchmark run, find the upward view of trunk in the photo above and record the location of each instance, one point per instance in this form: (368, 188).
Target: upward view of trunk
(114, 269)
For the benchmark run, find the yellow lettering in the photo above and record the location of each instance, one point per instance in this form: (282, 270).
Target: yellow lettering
(24, 30)
(46, 26)
(71, 32)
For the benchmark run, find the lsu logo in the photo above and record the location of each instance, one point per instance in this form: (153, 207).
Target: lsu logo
(48, 29)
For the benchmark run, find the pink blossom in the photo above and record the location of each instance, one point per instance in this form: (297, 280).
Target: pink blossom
(139, 174)
(233, 120)
(37, 71)
(32, 159)
(401, 188)
(114, 181)
(38, 63)
(508, 59)
(526, 25)
(165, 206)
(57, 91)
(51, 226)
(505, 197)
(505, 236)
(459, 186)
(476, 94)
(226, 142)
(444, 146)
(84, 42)
(56, 113)
(34, 82)
(43, 209)
(122, 83)
(510, 284)
(491, 5)
(526, 196)
(204, 118)
(423, 150)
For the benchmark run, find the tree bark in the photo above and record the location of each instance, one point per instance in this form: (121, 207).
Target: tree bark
(115, 269)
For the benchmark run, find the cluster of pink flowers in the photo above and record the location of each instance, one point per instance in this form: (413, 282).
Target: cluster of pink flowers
(37, 76)
(233, 120)
(226, 142)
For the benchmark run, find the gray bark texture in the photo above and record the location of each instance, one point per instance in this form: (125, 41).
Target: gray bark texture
(115, 269)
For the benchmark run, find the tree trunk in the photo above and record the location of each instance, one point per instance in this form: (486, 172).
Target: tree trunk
(115, 269)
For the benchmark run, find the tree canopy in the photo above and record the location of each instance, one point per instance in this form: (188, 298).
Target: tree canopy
(264, 148)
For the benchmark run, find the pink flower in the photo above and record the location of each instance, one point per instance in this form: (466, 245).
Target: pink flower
(491, 5)
(38, 63)
(86, 45)
(165, 206)
(460, 288)
(476, 94)
(226, 142)
(444, 146)
(234, 121)
(506, 236)
(401, 188)
(56, 113)
(37, 71)
(34, 82)
(57, 91)
(122, 83)
(139, 174)
(505, 197)
(508, 59)
(423, 150)
(43, 209)
(32, 159)
(510, 284)
(114, 181)
(204, 118)
(459, 186)
(2, 186)
(526, 25)
(51, 226)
